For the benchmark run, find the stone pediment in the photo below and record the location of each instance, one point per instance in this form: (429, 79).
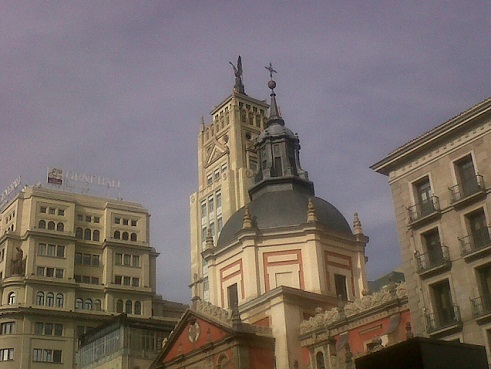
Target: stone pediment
(214, 152)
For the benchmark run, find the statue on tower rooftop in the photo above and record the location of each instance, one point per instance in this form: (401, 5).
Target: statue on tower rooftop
(239, 86)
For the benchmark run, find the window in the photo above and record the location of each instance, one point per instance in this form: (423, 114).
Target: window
(80, 217)
(51, 250)
(119, 306)
(78, 258)
(443, 309)
(138, 308)
(97, 219)
(58, 273)
(50, 299)
(42, 224)
(97, 305)
(119, 259)
(11, 300)
(211, 206)
(233, 296)
(79, 304)
(60, 251)
(117, 235)
(88, 304)
(51, 226)
(479, 232)
(40, 298)
(42, 249)
(126, 222)
(219, 200)
(433, 247)
(43, 209)
(117, 220)
(128, 307)
(209, 180)
(125, 236)
(79, 233)
(118, 279)
(87, 259)
(59, 300)
(319, 358)
(136, 260)
(127, 259)
(466, 175)
(52, 211)
(47, 355)
(96, 235)
(7, 328)
(87, 234)
(126, 281)
(61, 212)
(6, 354)
(135, 282)
(219, 225)
(133, 223)
(424, 197)
(88, 218)
(133, 237)
(95, 260)
(203, 209)
(341, 289)
(217, 175)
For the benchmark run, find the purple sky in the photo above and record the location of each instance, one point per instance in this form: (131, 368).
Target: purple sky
(117, 88)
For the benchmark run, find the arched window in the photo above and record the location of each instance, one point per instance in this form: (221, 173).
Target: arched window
(42, 224)
(117, 235)
(88, 304)
(129, 307)
(243, 116)
(40, 298)
(59, 300)
(119, 306)
(97, 305)
(11, 298)
(60, 227)
(79, 233)
(133, 237)
(96, 235)
(319, 358)
(87, 234)
(51, 226)
(138, 308)
(79, 304)
(125, 236)
(50, 299)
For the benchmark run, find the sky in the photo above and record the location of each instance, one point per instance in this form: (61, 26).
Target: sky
(118, 89)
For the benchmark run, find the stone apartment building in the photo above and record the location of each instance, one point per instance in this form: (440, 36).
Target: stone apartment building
(440, 184)
(68, 263)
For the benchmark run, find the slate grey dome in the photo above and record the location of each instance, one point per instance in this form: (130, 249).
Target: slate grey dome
(284, 209)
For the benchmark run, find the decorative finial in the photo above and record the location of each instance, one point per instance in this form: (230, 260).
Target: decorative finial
(235, 316)
(409, 332)
(311, 217)
(274, 115)
(247, 223)
(202, 124)
(357, 225)
(239, 86)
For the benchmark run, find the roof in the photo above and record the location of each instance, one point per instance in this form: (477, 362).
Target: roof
(284, 209)
(385, 165)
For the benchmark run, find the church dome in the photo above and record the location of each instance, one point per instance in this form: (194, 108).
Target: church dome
(284, 209)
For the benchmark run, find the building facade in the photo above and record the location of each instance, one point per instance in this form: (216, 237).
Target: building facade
(226, 164)
(68, 263)
(440, 189)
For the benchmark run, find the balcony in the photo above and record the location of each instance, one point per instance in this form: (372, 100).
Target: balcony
(467, 191)
(476, 244)
(481, 307)
(443, 320)
(424, 210)
(433, 261)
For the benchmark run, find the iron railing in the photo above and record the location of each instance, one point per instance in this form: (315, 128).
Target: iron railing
(442, 318)
(475, 241)
(481, 305)
(467, 188)
(432, 259)
(424, 208)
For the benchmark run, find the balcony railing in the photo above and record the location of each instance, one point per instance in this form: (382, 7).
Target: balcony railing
(442, 319)
(475, 241)
(481, 305)
(433, 259)
(423, 209)
(467, 188)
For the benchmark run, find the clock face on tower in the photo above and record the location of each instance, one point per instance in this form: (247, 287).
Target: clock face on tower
(194, 332)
